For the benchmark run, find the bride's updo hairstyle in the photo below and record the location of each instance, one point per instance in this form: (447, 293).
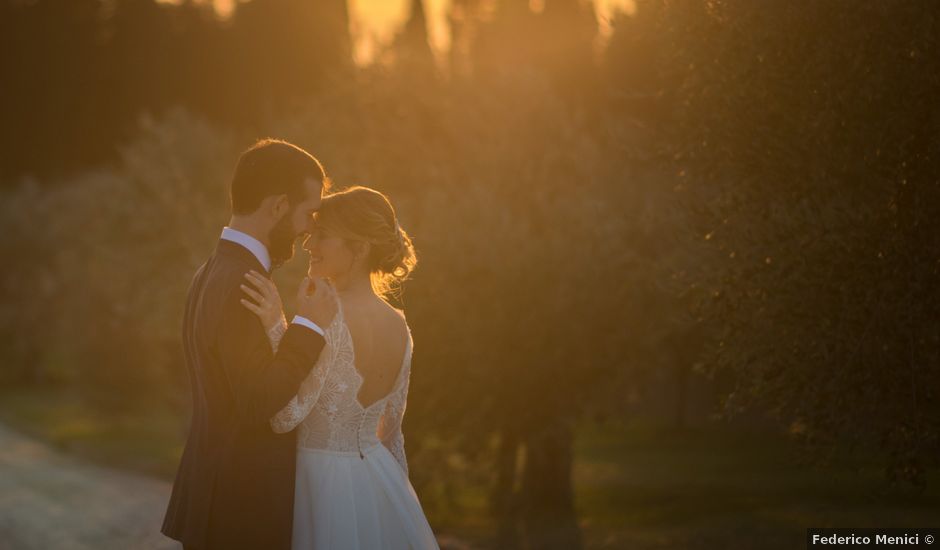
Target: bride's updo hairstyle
(364, 214)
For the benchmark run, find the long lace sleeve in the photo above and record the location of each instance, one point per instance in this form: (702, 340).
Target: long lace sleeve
(389, 431)
(276, 332)
(300, 405)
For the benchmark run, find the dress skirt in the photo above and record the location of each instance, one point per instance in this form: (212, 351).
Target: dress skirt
(344, 502)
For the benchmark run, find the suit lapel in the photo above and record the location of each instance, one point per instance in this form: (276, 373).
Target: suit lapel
(235, 251)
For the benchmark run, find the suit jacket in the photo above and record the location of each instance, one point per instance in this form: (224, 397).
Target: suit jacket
(235, 484)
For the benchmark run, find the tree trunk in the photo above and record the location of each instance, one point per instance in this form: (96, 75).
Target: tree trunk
(547, 496)
(504, 500)
(683, 369)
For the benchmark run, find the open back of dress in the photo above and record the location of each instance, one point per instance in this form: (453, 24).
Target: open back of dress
(352, 488)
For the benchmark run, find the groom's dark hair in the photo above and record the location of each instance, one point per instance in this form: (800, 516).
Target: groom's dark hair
(272, 167)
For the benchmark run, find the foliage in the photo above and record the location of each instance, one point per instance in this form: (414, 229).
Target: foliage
(808, 147)
(101, 63)
(104, 262)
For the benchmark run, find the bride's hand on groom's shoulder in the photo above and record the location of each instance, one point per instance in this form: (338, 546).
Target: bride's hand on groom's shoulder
(265, 300)
(316, 301)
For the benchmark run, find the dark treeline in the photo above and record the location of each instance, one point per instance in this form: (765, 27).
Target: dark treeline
(78, 74)
(731, 199)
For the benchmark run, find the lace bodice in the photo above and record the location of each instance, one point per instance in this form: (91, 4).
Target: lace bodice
(327, 407)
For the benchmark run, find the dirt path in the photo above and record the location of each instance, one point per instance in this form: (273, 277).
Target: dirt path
(49, 501)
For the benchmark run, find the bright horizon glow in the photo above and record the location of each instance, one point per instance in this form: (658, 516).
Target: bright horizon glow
(374, 23)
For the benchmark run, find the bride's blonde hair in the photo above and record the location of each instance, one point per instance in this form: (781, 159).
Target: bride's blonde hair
(364, 214)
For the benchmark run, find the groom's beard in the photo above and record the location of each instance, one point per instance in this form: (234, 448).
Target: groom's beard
(282, 242)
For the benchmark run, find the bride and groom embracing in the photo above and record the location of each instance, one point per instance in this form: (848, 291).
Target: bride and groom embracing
(296, 438)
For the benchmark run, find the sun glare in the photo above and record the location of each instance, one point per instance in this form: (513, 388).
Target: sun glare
(374, 23)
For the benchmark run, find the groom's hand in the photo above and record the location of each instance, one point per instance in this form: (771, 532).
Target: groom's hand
(316, 302)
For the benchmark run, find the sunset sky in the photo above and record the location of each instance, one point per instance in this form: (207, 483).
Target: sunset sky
(374, 22)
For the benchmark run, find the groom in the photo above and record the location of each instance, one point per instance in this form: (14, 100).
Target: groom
(235, 484)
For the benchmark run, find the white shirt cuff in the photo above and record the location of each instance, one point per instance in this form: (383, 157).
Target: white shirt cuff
(308, 323)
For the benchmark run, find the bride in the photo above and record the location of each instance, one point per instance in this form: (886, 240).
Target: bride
(352, 488)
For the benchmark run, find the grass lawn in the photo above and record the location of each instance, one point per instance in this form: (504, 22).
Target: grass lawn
(642, 488)
(636, 486)
(144, 442)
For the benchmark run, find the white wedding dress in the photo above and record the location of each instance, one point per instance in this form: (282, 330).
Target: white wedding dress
(352, 489)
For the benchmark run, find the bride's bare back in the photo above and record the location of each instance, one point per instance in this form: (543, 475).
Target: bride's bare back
(355, 396)
(379, 335)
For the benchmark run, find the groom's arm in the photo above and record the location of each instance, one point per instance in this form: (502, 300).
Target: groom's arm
(261, 382)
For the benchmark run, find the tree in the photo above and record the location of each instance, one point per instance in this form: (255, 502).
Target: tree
(287, 50)
(808, 152)
(555, 43)
(412, 49)
(51, 61)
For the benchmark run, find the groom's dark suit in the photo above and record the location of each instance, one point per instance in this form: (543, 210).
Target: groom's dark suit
(235, 484)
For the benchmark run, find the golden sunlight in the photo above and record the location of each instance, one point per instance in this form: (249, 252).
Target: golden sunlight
(373, 23)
